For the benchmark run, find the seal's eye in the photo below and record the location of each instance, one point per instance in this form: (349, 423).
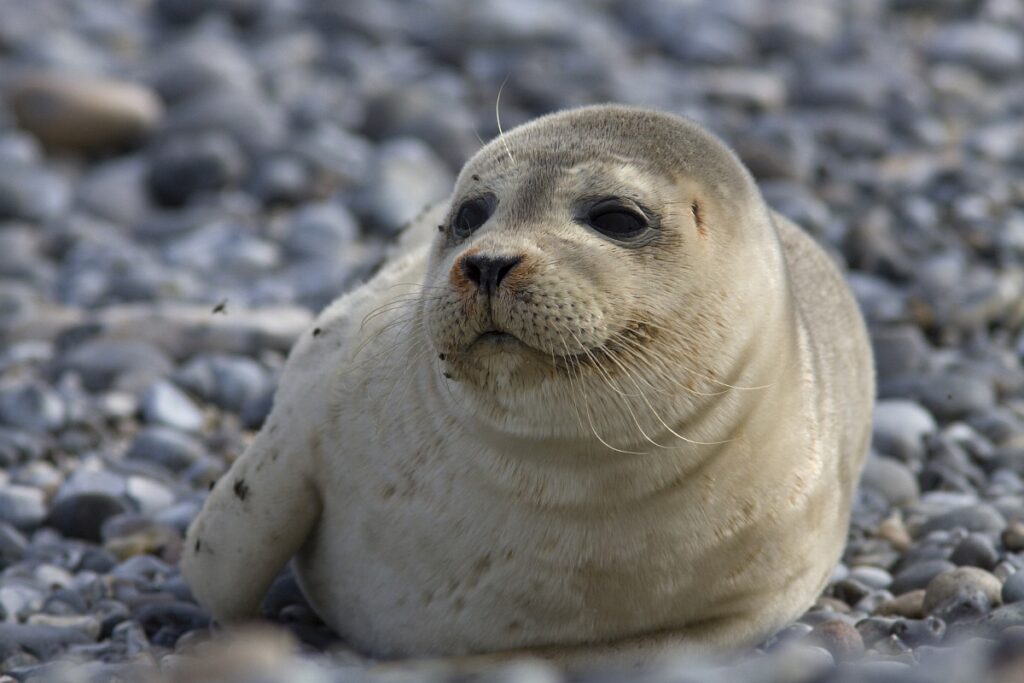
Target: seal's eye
(616, 221)
(471, 215)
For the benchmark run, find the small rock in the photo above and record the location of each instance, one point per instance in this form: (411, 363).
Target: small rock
(187, 166)
(841, 639)
(164, 623)
(983, 518)
(31, 406)
(165, 404)
(949, 588)
(899, 427)
(407, 178)
(44, 642)
(228, 381)
(992, 49)
(166, 447)
(977, 550)
(12, 545)
(1013, 536)
(320, 230)
(1013, 589)
(909, 605)
(105, 363)
(22, 507)
(919, 575)
(84, 114)
(890, 478)
(88, 626)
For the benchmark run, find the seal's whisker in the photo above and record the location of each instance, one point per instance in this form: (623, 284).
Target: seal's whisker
(497, 116)
(590, 417)
(697, 373)
(636, 352)
(603, 372)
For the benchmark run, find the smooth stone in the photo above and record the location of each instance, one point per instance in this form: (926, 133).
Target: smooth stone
(13, 545)
(890, 478)
(184, 167)
(899, 427)
(873, 577)
(406, 178)
(918, 575)
(81, 515)
(32, 406)
(841, 639)
(18, 447)
(320, 230)
(992, 49)
(32, 194)
(103, 363)
(165, 404)
(982, 518)
(84, 113)
(227, 381)
(282, 180)
(977, 550)
(952, 584)
(44, 642)
(956, 394)
(169, 448)
(165, 623)
(909, 605)
(914, 632)
(1013, 588)
(88, 626)
(1013, 536)
(149, 495)
(22, 507)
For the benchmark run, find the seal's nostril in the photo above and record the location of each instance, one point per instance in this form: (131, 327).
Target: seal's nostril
(488, 271)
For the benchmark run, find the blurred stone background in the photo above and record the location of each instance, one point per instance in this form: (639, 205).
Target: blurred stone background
(184, 183)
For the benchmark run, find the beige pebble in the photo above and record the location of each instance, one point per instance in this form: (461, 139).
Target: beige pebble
(82, 113)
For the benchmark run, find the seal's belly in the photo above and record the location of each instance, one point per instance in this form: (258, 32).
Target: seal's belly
(424, 574)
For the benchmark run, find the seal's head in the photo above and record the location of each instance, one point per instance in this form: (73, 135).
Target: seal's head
(598, 256)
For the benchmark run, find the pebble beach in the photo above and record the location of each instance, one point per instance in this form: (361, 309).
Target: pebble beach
(184, 184)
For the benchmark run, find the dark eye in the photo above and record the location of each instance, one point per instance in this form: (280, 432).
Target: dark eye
(616, 221)
(471, 215)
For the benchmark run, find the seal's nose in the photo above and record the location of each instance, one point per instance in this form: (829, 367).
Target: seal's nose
(488, 271)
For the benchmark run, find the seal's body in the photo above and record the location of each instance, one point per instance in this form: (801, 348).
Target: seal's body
(614, 399)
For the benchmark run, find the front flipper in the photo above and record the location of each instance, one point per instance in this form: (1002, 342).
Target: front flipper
(256, 517)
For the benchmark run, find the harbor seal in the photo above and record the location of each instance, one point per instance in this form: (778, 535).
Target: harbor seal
(602, 398)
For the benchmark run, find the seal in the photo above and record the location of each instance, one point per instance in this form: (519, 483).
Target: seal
(603, 399)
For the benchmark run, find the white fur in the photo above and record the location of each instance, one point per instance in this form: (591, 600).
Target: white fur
(695, 492)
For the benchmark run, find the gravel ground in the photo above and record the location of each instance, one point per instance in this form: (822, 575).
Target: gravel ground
(183, 183)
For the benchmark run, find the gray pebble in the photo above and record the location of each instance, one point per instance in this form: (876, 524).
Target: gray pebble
(166, 447)
(983, 518)
(918, 575)
(32, 406)
(105, 363)
(164, 404)
(22, 507)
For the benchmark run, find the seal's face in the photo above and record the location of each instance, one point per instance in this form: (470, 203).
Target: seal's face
(562, 261)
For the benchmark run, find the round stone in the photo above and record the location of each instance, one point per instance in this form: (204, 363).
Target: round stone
(84, 113)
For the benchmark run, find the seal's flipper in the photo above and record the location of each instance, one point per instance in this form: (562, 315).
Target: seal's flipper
(257, 517)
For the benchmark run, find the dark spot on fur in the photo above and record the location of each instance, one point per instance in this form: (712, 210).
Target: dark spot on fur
(458, 603)
(440, 228)
(476, 177)
(198, 545)
(447, 375)
(210, 487)
(513, 627)
(317, 331)
(440, 356)
(695, 209)
(388, 491)
(241, 489)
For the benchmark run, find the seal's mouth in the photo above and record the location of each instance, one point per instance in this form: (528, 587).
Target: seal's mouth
(496, 337)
